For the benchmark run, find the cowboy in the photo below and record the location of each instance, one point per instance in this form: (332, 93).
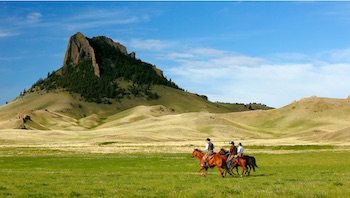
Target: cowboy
(209, 147)
(240, 150)
(233, 153)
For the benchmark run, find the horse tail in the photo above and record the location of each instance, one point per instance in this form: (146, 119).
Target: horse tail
(254, 162)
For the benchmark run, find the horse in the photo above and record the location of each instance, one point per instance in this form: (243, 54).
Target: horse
(223, 153)
(215, 160)
(235, 162)
(239, 161)
(251, 163)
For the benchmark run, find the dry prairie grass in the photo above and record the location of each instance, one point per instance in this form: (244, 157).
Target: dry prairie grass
(159, 128)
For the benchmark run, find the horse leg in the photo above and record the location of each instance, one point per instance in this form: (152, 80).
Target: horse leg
(249, 168)
(206, 170)
(227, 170)
(244, 170)
(199, 171)
(219, 168)
(230, 169)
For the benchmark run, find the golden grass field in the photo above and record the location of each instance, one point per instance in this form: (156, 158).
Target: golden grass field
(57, 123)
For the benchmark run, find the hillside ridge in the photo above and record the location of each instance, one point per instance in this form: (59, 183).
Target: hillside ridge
(295, 124)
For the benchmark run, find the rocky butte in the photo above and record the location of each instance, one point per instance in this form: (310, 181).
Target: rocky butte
(79, 49)
(100, 69)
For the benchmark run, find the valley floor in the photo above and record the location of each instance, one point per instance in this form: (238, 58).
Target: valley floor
(40, 172)
(107, 142)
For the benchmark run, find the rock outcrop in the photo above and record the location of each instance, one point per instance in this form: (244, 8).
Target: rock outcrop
(158, 71)
(116, 45)
(79, 49)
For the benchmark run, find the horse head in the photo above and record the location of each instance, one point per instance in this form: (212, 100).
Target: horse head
(197, 153)
(222, 152)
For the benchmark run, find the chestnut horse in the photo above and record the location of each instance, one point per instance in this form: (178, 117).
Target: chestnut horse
(235, 162)
(215, 160)
(251, 162)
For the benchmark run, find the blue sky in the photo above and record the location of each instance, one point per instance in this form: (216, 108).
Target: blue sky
(265, 52)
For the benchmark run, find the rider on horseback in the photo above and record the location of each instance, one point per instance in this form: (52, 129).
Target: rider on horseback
(210, 151)
(240, 150)
(233, 153)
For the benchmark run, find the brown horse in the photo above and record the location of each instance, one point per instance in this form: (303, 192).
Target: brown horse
(215, 160)
(240, 161)
(223, 153)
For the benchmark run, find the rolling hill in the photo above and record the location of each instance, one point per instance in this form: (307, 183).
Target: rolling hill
(308, 121)
(65, 111)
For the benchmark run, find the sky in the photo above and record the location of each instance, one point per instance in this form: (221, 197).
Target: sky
(238, 52)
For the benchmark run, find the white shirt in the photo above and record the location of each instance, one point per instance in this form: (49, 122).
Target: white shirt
(240, 149)
(207, 147)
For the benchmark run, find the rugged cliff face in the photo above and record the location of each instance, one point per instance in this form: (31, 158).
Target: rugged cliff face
(79, 49)
(109, 41)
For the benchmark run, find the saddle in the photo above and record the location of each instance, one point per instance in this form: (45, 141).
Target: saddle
(206, 158)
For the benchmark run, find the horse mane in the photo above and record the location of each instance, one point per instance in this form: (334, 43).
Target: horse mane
(199, 150)
(225, 151)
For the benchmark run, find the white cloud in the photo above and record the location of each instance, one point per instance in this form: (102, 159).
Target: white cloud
(289, 56)
(211, 58)
(7, 58)
(208, 52)
(34, 17)
(176, 55)
(79, 25)
(234, 77)
(237, 61)
(340, 55)
(79, 21)
(8, 34)
(149, 44)
(99, 18)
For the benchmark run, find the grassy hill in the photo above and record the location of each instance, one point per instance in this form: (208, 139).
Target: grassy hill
(62, 110)
(71, 121)
(311, 118)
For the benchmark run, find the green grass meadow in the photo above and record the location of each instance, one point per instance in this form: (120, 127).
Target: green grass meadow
(27, 172)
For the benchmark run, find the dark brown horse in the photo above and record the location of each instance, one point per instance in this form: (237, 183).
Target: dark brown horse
(215, 160)
(239, 161)
(235, 162)
(223, 153)
(251, 163)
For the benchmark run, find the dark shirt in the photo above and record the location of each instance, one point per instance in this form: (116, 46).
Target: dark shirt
(211, 146)
(233, 150)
